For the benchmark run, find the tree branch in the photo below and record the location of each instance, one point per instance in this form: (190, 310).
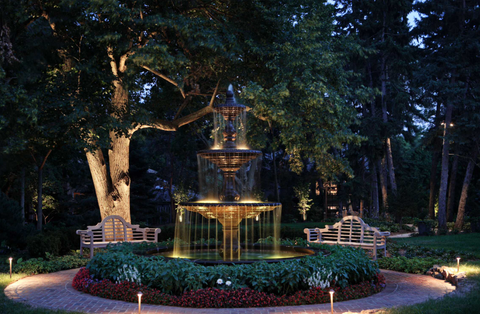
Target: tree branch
(178, 122)
(113, 64)
(165, 78)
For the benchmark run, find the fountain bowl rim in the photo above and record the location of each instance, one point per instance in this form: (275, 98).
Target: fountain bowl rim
(229, 151)
(207, 262)
(223, 203)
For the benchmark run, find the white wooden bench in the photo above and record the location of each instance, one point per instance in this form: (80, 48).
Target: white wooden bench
(350, 231)
(114, 229)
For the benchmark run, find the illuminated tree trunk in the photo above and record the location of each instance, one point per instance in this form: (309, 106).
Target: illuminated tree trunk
(463, 197)
(442, 195)
(451, 189)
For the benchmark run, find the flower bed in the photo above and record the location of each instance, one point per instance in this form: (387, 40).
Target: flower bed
(220, 298)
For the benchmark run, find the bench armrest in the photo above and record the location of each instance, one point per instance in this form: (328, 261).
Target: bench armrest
(310, 231)
(85, 234)
(384, 234)
(156, 231)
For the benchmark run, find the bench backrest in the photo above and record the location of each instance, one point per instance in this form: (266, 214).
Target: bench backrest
(351, 229)
(115, 228)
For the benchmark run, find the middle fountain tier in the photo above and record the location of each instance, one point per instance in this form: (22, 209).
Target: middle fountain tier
(230, 209)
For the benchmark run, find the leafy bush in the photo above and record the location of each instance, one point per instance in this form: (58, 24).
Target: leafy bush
(48, 265)
(383, 225)
(414, 265)
(411, 251)
(56, 241)
(220, 298)
(345, 266)
(13, 232)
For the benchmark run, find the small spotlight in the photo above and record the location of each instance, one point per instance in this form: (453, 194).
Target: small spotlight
(139, 302)
(180, 218)
(331, 298)
(10, 260)
(256, 218)
(458, 264)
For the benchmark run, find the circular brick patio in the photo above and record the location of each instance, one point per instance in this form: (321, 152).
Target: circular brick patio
(54, 291)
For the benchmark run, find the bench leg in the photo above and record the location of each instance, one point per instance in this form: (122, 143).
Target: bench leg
(374, 252)
(91, 251)
(81, 249)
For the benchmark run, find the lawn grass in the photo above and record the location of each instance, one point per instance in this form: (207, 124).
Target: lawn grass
(12, 307)
(468, 242)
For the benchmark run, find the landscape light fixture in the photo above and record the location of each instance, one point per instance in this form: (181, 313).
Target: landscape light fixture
(11, 260)
(331, 298)
(458, 264)
(140, 302)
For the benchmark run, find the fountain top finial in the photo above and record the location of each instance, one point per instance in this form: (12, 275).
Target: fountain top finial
(230, 109)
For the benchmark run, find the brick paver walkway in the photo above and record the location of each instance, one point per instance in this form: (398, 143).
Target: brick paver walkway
(54, 291)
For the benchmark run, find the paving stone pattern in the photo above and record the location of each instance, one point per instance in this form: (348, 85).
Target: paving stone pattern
(54, 291)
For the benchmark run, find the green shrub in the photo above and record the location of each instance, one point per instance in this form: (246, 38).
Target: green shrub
(415, 265)
(48, 265)
(410, 251)
(344, 266)
(383, 225)
(56, 241)
(13, 233)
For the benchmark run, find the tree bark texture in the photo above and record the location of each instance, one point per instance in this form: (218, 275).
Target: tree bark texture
(451, 189)
(391, 168)
(463, 196)
(22, 193)
(433, 180)
(383, 182)
(39, 199)
(375, 201)
(442, 195)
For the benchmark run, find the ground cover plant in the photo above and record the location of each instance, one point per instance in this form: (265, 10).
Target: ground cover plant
(223, 297)
(464, 242)
(417, 259)
(172, 281)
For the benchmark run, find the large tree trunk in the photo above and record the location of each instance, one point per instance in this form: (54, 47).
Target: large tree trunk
(442, 196)
(39, 198)
(22, 194)
(391, 168)
(437, 144)
(384, 79)
(113, 187)
(463, 196)
(375, 202)
(382, 173)
(451, 189)
(433, 180)
(277, 185)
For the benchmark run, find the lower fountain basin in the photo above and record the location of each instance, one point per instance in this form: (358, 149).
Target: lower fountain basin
(202, 254)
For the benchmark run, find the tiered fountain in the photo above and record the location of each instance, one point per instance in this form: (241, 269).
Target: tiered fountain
(230, 209)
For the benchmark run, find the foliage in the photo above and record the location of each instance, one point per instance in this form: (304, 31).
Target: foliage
(383, 225)
(415, 265)
(219, 298)
(410, 251)
(13, 233)
(345, 266)
(302, 192)
(49, 265)
(54, 241)
(463, 245)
